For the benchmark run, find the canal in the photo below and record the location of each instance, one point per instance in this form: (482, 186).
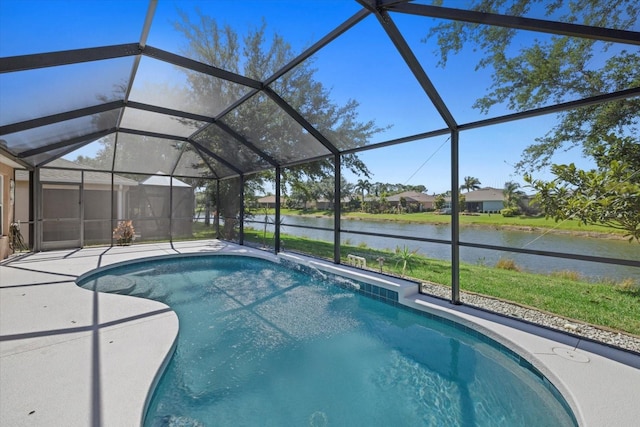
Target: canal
(535, 240)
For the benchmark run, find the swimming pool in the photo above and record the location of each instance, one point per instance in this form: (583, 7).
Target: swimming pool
(264, 344)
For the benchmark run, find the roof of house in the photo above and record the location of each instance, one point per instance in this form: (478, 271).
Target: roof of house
(487, 194)
(345, 199)
(72, 174)
(267, 199)
(161, 180)
(7, 161)
(411, 196)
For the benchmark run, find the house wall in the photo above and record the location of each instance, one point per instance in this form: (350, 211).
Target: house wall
(7, 210)
(323, 205)
(492, 206)
(150, 213)
(97, 210)
(6, 172)
(22, 208)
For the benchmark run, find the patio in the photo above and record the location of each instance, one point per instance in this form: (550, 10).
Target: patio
(75, 357)
(158, 133)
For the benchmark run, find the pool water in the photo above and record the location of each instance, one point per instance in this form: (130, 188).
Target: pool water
(262, 344)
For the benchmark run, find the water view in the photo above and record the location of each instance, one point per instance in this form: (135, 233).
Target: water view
(538, 240)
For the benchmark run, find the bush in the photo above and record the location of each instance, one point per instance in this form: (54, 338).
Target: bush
(509, 212)
(507, 264)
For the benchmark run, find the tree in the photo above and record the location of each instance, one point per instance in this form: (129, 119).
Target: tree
(133, 150)
(300, 195)
(362, 185)
(417, 188)
(470, 183)
(555, 69)
(384, 203)
(377, 188)
(462, 201)
(402, 205)
(608, 195)
(512, 194)
(347, 189)
(326, 189)
(267, 125)
(440, 202)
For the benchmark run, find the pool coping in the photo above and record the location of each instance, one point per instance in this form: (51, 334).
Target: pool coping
(107, 351)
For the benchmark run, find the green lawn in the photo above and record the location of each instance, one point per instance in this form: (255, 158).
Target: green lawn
(201, 231)
(612, 305)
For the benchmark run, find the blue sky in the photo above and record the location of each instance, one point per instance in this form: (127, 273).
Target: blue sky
(361, 65)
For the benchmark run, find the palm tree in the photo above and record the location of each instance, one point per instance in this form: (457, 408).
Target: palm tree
(511, 194)
(362, 185)
(470, 183)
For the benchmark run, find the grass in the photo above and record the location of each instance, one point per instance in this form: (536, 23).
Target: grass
(612, 305)
(201, 231)
(567, 274)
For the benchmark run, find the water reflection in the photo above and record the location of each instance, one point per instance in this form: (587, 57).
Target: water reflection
(537, 240)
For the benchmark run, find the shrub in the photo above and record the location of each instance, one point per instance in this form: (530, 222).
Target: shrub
(405, 257)
(509, 212)
(507, 264)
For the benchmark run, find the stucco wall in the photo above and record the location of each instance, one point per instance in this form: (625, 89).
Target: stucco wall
(22, 208)
(7, 209)
(492, 206)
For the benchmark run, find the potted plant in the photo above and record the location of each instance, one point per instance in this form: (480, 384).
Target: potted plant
(16, 241)
(124, 233)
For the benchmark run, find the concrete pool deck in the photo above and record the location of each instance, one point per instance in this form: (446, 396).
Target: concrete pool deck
(73, 357)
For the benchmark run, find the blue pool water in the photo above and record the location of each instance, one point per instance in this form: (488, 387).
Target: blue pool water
(262, 344)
